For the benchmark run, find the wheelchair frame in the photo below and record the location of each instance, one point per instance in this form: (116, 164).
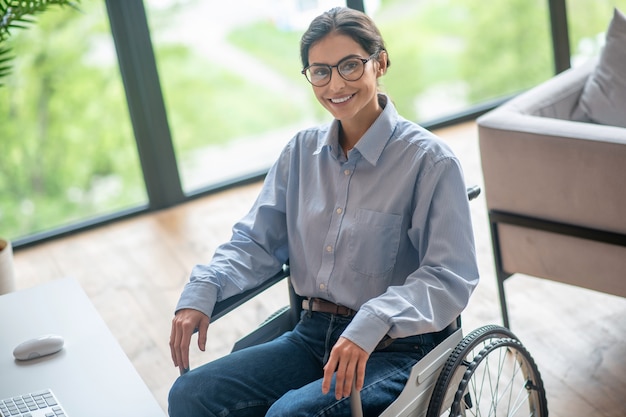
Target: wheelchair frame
(448, 381)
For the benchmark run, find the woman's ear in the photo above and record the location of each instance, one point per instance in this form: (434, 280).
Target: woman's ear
(382, 63)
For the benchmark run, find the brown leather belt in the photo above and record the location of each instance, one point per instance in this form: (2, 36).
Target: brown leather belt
(323, 306)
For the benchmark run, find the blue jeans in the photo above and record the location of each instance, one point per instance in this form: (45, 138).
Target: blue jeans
(284, 377)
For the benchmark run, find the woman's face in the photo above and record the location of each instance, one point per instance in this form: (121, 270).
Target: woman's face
(348, 101)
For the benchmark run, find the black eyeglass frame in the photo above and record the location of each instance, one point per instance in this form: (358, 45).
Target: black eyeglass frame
(330, 69)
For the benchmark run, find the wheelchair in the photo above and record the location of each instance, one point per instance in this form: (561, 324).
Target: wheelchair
(488, 372)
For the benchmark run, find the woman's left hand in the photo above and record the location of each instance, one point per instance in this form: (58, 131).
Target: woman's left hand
(348, 360)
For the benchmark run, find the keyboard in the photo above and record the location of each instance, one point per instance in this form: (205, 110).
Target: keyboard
(35, 404)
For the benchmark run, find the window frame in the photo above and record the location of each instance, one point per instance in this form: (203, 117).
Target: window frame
(137, 64)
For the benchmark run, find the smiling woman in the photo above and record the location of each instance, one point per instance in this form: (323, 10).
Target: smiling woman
(352, 100)
(340, 205)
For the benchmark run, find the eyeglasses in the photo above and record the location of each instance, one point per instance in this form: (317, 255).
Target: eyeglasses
(350, 69)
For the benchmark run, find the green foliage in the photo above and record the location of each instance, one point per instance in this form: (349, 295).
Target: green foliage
(18, 14)
(211, 104)
(587, 19)
(425, 58)
(66, 145)
(67, 149)
(278, 49)
(466, 51)
(508, 48)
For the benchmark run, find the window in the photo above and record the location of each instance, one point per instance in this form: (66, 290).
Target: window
(233, 90)
(588, 21)
(233, 93)
(448, 55)
(67, 151)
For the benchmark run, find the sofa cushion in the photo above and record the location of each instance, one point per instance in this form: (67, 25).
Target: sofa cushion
(603, 99)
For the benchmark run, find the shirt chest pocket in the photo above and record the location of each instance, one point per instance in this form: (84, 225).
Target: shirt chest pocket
(373, 242)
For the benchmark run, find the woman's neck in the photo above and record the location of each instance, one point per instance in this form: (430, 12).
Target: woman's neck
(351, 131)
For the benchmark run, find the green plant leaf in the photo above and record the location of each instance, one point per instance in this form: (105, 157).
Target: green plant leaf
(17, 14)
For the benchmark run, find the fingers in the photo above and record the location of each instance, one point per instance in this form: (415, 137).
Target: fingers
(360, 375)
(173, 344)
(329, 370)
(179, 343)
(347, 361)
(202, 333)
(343, 383)
(184, 324)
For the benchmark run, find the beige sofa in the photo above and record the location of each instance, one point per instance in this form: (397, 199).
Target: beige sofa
(555, 186)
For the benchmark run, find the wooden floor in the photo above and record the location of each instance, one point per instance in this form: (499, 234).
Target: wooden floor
(134, 270)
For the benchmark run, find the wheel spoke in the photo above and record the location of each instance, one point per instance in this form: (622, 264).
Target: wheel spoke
(489, 374)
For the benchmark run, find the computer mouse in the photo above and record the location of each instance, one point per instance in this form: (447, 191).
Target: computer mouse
(38, 347)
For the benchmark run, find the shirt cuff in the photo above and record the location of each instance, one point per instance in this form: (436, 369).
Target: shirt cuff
(198, 296)
(366, 330)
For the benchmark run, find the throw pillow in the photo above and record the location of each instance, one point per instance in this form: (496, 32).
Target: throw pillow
(603, 99)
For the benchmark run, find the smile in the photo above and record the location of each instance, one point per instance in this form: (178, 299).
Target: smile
(341, 100)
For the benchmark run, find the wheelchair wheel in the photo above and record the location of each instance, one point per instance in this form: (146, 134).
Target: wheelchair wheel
(492, 374)
(454, 368)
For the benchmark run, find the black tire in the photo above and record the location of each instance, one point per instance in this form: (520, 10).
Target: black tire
(501, 379)
(457, 363)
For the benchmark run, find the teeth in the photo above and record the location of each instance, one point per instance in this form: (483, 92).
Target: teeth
(340, 100)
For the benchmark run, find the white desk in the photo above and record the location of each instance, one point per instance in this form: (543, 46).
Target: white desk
(91, 369)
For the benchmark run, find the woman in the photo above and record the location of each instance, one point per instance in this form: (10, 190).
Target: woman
(372, 213)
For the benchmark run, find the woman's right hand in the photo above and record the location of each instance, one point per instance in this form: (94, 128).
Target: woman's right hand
(184, 324)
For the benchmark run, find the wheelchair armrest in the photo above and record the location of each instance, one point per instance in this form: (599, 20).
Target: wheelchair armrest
(414, 399)
(226, 306)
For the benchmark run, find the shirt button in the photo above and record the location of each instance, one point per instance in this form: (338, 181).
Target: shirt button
(346, 172)
(322, 286)
(329, 248)
(339, 210)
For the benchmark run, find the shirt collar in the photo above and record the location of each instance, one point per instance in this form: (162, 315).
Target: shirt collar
(372, 143)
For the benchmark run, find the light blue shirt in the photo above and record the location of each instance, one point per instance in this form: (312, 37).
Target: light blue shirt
(385, 231)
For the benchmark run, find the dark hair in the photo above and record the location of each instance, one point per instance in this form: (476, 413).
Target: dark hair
(345, 21)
